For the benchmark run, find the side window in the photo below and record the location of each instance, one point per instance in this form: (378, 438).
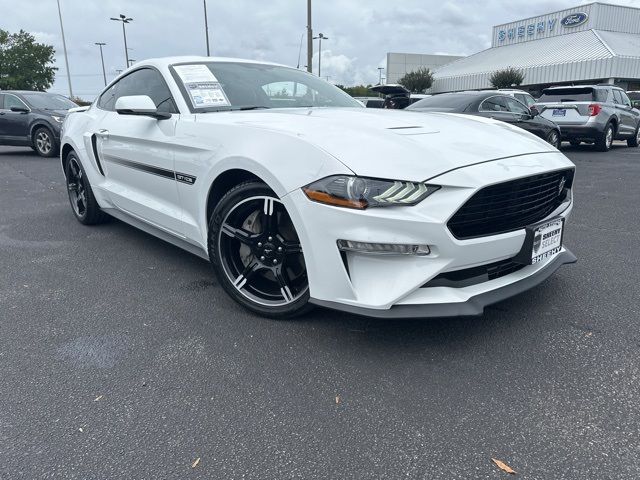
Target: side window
(625, 99)
(494, 104)
(529, 100)
(141, 82)
(12, 101)
(108, 98)
(520, 97)
(604, 95)
(1, 101)
(617, 97)
(517, 107)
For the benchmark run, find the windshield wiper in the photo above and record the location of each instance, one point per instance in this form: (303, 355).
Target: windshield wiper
(253, 107)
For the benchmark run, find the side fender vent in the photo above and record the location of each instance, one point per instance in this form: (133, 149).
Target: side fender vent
(94, 146)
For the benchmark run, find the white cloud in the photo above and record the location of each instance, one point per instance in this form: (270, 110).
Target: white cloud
(360, 33)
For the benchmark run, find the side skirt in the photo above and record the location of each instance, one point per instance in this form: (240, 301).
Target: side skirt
(156, 232)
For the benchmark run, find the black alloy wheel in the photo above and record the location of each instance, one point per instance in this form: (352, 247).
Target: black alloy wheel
(553, 138)
(83, 203)
(43, 142)
(256, 252)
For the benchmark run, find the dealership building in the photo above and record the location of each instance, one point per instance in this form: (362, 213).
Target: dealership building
(593, 43)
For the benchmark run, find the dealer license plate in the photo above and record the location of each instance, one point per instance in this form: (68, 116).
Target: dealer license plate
(547, 240)
(559, 112)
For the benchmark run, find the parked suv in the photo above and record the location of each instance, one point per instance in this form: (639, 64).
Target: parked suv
(595, 114)
(33, 119)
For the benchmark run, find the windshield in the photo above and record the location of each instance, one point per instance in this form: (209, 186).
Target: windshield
(633, 95)
(454, 101)
(48, 101)
(216, 86)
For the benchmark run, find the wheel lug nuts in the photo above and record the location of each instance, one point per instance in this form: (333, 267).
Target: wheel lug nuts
(275, 262)
(270, 238)
(259, 244)
(262, 258)
(279, 249)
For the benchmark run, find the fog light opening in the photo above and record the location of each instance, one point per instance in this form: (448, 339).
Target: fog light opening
(383, 248)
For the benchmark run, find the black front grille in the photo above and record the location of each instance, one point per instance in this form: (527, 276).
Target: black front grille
(512, 205)
(474, 275)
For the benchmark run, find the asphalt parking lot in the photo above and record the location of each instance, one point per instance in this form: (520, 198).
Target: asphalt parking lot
(121, 357)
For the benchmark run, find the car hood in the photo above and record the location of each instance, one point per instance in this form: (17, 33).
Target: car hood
(57, 113)
(395, 144)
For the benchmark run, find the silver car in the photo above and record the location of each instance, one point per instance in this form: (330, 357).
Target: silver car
(594, 114)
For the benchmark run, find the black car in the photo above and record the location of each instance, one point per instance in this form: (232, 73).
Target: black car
(492, 104)
(33, 119)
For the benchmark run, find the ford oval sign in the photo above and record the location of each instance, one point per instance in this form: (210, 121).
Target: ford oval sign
(574, 19)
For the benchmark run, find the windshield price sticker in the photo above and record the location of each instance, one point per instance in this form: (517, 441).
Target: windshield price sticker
(207, 94)
(195, 73)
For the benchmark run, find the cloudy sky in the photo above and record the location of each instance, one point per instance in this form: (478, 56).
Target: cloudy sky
(360, 32)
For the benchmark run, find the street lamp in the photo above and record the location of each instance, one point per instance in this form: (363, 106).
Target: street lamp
(64, 46)
(320, 37)
(124, 19)
(206, 27)
(380, 69)
(104, 74)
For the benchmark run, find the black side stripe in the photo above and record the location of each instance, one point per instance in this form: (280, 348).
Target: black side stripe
(161, 172)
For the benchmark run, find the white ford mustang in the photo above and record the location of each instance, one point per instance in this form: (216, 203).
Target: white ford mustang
(299, 196)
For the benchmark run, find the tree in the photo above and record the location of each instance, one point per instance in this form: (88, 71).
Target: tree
(509, 77)
(417, 81)
(357, 90)
(24, 63)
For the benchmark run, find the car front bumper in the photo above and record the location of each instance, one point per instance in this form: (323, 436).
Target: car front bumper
(393, 286)
(473, 306)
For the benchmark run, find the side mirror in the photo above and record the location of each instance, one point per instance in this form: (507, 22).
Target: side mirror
(636, 104)
(139, 105)
(534, 111)
(20, 109)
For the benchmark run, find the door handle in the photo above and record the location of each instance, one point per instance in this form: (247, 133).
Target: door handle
(103, 133)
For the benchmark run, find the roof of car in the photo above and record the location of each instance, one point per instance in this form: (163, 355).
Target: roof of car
(22, 92)
(166, 61)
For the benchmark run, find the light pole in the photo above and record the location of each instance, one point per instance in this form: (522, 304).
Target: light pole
(320, 37)
(309, 38)
(124, 20)
(206, 28)
(64, 46)
(132, 61)
(104, 74)
(380, 69)
(300, 50)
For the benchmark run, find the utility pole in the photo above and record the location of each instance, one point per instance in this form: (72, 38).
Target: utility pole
(309, 38)
(300, 50)
(64, 46)
(320, 37)
(104, 73)
(124, 20)
(206, 28)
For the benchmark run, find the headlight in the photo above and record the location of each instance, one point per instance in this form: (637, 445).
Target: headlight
(360, 192)
(57, 119)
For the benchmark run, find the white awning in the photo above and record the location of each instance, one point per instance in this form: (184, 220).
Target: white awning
(586, 55)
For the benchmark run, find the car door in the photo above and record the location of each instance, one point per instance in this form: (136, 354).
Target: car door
(525, 120)
(628, 121)
(14, 126)
(496, 107)
(137, 152)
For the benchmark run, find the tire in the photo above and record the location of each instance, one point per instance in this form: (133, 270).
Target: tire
(83, 203)
(604, 141)
(256, 254)
(553, 138)
(575, 143)
(635, 140)
(44, 143)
